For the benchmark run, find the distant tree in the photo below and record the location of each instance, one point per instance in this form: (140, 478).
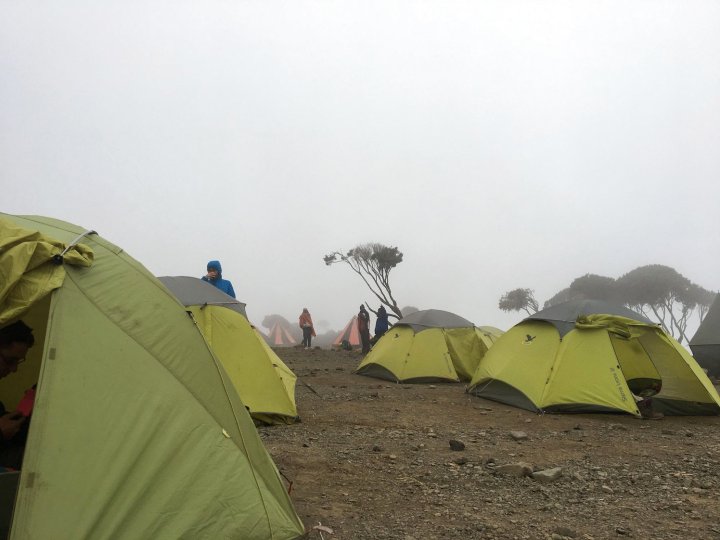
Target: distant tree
(593, 286)
(707, 299)
(270, 320)
(519, 299)
(589, 286)
(373, 263)
(662, 293)
(560, 297)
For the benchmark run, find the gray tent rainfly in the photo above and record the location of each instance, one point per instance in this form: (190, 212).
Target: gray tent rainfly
(434, 318)
(705, 344)
(196, 292)
(564, 315)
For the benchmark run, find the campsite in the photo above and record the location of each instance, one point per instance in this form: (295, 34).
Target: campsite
(372, 459)
(443, 429)
(386, 270)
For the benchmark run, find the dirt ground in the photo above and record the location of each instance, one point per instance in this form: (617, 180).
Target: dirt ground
(373, 460)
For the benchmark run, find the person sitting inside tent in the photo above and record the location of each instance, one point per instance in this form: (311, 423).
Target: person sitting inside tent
(643, 391)
(214, 277)
(15, 340)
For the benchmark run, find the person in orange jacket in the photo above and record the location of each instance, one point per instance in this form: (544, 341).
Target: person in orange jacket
(307, 328)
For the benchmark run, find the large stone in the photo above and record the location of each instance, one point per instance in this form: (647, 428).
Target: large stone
(519, 435)
(548, 475)
(519, 469)
(457, 446)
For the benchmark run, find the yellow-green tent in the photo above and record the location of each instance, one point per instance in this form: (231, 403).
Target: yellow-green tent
(428, 346)
(137, 430)
(580, 362)
(265, 384)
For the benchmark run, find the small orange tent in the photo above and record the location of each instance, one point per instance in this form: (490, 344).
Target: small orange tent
(280, 337)
(350, 333)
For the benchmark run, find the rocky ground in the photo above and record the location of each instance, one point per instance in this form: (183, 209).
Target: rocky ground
(377, 460)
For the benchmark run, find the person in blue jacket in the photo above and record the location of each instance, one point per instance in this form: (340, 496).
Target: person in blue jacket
(381, 323)
(214, 276)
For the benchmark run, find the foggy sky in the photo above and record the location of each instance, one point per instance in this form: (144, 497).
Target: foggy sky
(498, 144)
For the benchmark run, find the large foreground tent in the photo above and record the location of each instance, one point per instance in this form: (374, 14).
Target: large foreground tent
(591, 356)
(265, 384)
(705, 344)
(428, 346)
(137, 430)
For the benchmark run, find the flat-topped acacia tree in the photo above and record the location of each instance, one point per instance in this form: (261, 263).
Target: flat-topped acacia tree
(373, 263)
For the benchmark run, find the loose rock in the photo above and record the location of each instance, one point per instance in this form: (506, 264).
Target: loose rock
(519, 469)
(547, 475)
(457, 446)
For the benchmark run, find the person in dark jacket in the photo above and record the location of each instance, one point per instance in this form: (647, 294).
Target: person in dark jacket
(363, 323)
(381, 323)
(214, 276)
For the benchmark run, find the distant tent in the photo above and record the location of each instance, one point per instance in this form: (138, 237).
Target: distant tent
(705, 344)
(488, 335)
(137, 431)
(350, 334)
(570, 358)
(279, 336)
(265, 384)
(428, 346)
(260, 333)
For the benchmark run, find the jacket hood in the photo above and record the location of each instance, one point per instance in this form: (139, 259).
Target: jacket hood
(215, 265)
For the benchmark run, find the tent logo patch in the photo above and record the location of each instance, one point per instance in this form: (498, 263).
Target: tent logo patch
(618, 385)
(528, 339)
